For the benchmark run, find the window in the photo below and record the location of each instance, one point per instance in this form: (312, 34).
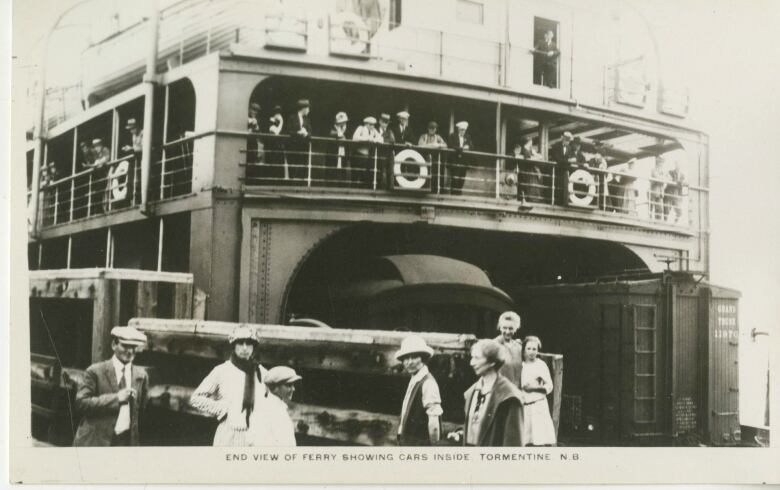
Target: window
(471, 12)
(546, 52)
(395, 14)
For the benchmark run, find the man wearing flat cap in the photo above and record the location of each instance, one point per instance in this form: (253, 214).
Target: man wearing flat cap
(299, 129)
(508, 325)
(420, 422)
(275, 428)
(460, 141)
(113, 395)
(385, 176)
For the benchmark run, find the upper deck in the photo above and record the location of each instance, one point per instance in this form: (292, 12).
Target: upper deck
(235, 53)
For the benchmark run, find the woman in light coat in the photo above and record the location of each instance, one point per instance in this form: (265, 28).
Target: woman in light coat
(233, 390)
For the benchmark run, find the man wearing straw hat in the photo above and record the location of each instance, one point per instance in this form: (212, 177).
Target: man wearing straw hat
(113, 395)
(460, 141)
(420, 423)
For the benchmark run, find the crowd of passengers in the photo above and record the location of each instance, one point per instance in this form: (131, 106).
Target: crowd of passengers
(506, 406)
(349, 159)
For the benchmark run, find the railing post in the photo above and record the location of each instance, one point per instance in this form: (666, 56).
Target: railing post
(376, 152)
(308, 168)
(162, 175)
(552, 185)
(441, 53)
(56, 202)
(498, 177)
(438, 172)
(89, 195)
(72, 193)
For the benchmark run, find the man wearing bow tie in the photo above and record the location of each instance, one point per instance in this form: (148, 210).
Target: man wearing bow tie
(113, 395)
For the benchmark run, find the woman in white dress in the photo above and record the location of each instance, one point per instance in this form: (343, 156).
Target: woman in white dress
(536, 383)
(234, 390)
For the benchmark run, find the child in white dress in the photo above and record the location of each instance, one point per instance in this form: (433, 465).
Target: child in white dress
(536, 383)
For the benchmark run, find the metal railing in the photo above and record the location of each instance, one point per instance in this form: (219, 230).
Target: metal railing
(116, 185)
(272, 160)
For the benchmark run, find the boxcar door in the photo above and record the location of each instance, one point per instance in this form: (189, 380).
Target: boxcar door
(610, 387)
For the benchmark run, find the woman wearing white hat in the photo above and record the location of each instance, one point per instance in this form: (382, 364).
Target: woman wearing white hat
(273, 426)
(233, 390)
(420, 423)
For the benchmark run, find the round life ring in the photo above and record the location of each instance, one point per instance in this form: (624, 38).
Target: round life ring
(577, 197)
(118, 180)
(349, 34)
(407, 157)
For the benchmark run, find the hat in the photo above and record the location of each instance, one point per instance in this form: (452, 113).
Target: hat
(341, 117)
(129, 335)
(462, 125)
(577, 140)
(255, 106)
(384, 117)
(303, 103)
(509, 317)
(242, 333)
(130, 123)
(281, 375)
(413, 345)
(97, 141)
(433, 124)
(403, 114)
(369, 120)
(567, 135)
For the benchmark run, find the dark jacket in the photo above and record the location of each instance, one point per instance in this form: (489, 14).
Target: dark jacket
(414, 423)
(294, 125)
(454, 142)
(503, 421)
(403, 137)
(98, 404)
(541, 57)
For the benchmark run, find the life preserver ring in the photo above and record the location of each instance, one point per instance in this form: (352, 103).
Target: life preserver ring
(349, 34)
(407, 157)
(577, 197)
(117, 177)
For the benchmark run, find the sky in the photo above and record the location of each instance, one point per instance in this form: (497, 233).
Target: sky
(726, 51)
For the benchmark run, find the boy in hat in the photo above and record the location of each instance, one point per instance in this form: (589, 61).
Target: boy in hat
(276, 427)
(460, 141)
(113, 395)
(233, 390)
(299, 129)
(420, 422)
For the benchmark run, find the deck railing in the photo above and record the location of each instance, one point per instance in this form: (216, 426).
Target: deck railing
(326, 163)
(116, 185)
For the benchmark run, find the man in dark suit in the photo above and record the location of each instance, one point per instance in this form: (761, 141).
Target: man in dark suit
(546, 55)
(113, 395)
(460, 141)
(567, 154)
(402, 133)
(299, 129)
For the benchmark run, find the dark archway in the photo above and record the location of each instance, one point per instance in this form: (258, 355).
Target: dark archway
(511, 261)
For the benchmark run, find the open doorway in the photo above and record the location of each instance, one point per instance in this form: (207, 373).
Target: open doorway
(546, 52)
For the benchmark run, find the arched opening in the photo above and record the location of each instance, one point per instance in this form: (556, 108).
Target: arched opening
(510, 262)
(172, 171)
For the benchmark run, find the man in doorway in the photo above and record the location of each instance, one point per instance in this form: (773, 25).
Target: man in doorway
(420, 423)
(546, 56)
(508, 326)
(113, 395)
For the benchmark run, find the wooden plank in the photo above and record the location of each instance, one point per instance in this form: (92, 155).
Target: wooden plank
(182, 302)
(103, 273)
(84, 288)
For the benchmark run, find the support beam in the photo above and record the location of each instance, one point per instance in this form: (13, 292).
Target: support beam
(150, 83)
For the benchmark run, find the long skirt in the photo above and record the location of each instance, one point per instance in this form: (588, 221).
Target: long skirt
(538, 428)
